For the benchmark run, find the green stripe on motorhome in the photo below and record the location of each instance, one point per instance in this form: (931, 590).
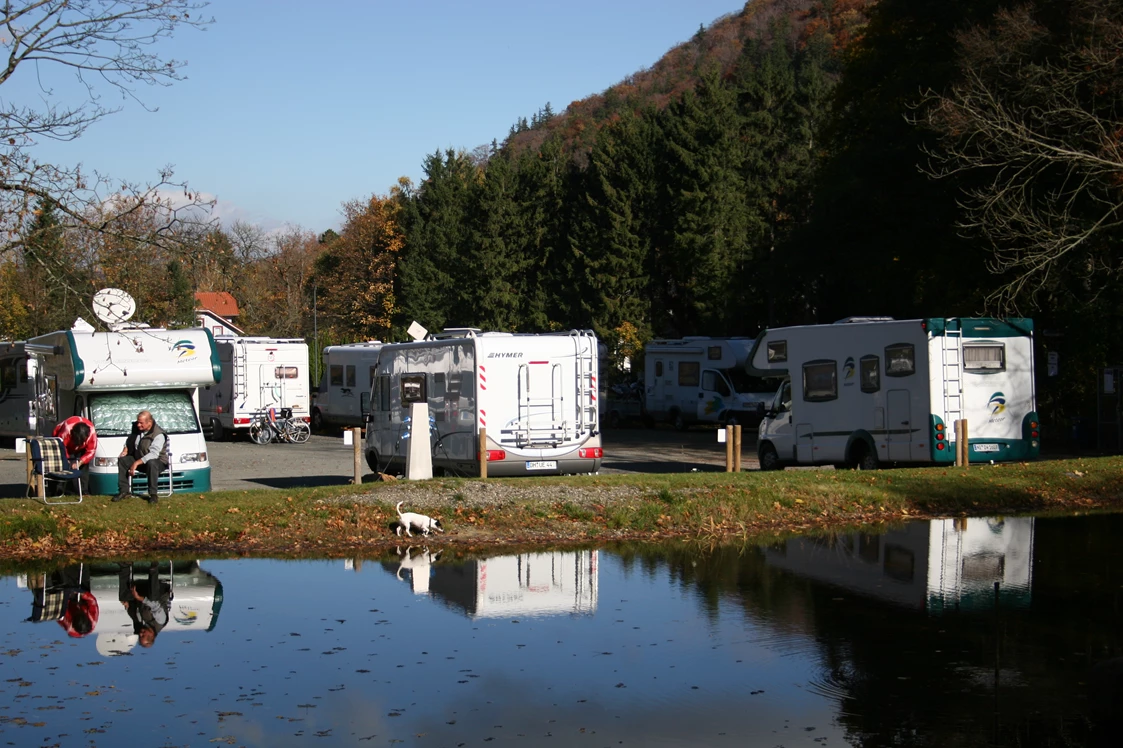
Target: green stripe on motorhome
(79, 367)
(981, 327)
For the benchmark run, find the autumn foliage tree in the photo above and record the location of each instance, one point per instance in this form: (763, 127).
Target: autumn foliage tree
(354, 275)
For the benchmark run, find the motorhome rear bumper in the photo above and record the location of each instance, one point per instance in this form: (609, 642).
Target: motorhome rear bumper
(568, 466)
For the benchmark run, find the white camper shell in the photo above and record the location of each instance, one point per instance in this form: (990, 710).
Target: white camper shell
(536, 396)
(701, 380)
(866, 391)
(258, 373)
(109, 377)
(343, 396)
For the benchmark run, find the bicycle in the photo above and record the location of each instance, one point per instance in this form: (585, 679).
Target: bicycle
(270, 426)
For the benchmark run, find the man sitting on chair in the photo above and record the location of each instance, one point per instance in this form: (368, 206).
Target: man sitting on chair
(147, 446)
(80, 439)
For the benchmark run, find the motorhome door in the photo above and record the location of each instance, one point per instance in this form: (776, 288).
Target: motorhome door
(899, 425)
(714, 397)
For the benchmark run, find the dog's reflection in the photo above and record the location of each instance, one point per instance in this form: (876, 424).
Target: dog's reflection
(416, 563)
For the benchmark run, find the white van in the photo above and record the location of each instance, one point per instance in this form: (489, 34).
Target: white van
(342, 398)
(702, 380)
(109, 377)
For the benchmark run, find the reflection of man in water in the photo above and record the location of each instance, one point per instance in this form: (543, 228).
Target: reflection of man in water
(146, 601)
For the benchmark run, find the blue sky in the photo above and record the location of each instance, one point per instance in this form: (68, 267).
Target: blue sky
(290, 109)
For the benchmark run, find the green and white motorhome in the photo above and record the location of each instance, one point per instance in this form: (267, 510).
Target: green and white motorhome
(865, 391)
(109, 377)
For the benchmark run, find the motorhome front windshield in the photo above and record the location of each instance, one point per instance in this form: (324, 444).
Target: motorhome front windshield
(113, 413)
(743, 383)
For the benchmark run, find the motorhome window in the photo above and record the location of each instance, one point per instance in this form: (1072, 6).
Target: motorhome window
(350, 375)
(467, 386)
(113, 413)
(439, 388)
(335, 375)
(870, 373)
(413, 389)
(711, 382)
(713, 353)
(820, 381)
(285, 372)
(384, 392)
(777, 351)
(688, 373)
(984, 357)
(364, 403)
(8, 373)
(900, 360)
(658, 368)
(743, 383)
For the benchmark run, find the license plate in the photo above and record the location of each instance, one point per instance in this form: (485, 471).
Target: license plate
(985, 447)
(542, 465)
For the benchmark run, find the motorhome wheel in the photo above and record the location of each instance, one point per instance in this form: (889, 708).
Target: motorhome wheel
(867, 459)
(614, 421)
(769, 460)
(218, 434)
(678, 421)
(317, 420)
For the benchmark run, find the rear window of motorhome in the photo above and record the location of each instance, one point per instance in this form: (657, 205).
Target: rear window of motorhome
(984, 357)
(285, 372)
(413, 388)
(713, 353)
(820, 381)
(113, 413)
(335, 375)
(688, 373)
(900, 360)
(777, 351)
(870, 373)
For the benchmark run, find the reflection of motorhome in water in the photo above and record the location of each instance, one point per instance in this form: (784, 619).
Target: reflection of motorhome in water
(195, 599)
(934, 566)
(701, 380)
(109, 377)
(553, 583)
(536, 396)
(257, 374)
(869, 390)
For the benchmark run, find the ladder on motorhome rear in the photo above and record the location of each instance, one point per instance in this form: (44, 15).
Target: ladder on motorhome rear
(585, 343)
(951, 354)
(239, 388)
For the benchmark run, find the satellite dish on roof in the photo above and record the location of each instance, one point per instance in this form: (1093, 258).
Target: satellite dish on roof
(113, 306)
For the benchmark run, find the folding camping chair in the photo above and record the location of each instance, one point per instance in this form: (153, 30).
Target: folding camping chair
(47, 461)
(138, 484)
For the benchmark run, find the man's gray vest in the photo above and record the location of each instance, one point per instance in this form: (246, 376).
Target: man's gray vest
(145, 443)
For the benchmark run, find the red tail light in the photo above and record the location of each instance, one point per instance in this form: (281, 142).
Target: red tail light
(241, 422)
(940, 446)
(496, 455)
(592, 453)
(939, 437)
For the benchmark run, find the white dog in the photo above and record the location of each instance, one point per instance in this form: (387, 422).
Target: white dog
(422, 522)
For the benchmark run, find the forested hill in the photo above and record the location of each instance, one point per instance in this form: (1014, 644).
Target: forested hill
(799, 161)
(717, 47)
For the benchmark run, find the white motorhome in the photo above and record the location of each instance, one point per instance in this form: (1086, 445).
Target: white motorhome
(109, 377)
(536, 396)
(343, 396)
(866, 391)
(16, 391)
(258, 373)
(701, 380)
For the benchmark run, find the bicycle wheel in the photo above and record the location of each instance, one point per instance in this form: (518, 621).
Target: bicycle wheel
(297, 432)
(261, 432)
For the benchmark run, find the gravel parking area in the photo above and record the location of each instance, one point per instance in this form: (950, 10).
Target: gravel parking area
(325, 461)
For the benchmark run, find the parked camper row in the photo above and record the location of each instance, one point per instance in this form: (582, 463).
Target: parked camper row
(535, 397)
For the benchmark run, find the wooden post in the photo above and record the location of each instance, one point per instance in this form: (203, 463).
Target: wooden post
(483, 453)
(958, 442)
(357, 443)
(966, 444)
(729, 449)
(737, 448)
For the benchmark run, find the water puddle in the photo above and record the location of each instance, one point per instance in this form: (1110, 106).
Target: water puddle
(985, 631)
